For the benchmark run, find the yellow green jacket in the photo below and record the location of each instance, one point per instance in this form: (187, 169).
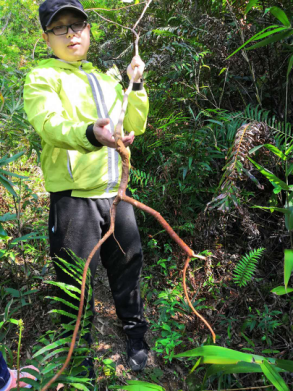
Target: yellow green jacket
(62, 101)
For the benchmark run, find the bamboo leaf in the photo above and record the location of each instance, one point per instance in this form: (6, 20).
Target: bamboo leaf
(288, 266)
(240, 367)
(3, 233)
(251, 4)
(8, 173)
(290, 65)
(31, 236)
(271, 32)
(79, 386)
(273, 209)
(287, 365)
(289, 216)
(281, 290)
(5, 161)
(215, 355)
(270, 176)
(280, 14)
(8, 185)
(288, 151)
(275, 38)
(273, 376)
(8, 217)
(13, 292)
(271, 148)
(252, 39)
(137, 385)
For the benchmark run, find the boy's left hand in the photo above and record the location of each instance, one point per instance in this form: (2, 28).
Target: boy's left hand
(136, 63)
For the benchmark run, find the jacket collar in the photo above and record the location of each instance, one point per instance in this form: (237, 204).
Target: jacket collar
(56, 62)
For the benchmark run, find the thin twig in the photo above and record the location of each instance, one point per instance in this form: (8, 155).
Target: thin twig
(114, 9)
(117, 24)
(33, 55)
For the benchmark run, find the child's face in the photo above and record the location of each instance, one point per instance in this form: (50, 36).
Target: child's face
(72, 46)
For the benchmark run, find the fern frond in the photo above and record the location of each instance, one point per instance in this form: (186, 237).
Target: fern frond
(140, 177)
(282, 131)
(246, 267)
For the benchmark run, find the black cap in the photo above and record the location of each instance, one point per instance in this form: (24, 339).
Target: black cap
(50, 8)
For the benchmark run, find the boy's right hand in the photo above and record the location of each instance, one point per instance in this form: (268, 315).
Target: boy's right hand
(105, 137)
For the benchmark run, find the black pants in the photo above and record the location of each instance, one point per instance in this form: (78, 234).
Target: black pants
(78, 224)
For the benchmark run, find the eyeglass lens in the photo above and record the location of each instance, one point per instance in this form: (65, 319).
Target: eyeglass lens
(61, 30)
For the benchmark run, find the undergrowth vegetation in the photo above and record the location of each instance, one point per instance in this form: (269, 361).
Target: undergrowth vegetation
(215, 161)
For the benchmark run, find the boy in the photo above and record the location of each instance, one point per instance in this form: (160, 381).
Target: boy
(74, 109)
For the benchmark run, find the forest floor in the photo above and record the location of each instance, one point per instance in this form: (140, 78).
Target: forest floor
(249, 319)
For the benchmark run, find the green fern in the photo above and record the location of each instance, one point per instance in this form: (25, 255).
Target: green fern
(246, 267)
(52, 349)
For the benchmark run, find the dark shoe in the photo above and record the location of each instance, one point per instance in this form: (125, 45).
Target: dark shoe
(88, 368)
(137, 353)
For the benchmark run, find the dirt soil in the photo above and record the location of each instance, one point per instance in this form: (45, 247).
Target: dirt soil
(110, 342)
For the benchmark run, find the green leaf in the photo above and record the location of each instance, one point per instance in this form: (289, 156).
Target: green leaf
(8, 185)
(273, 376)
(51, 346)
(288, 266)
(3, 233)
(275, 38)
(287, 153)
(31, 236)
(281, 290)
(222, 70)
(280, 14)
(270, 176)
(271, 32)
(290, 65)
(252, 39)
(79, 386)
(287, 365)
(251, 4)
(14, 321)
(271, 148)
(66, 288)
(240, 367)
(219, 355)
(273, 209)
(289, 216)
(13, 292)
(8, 173)
(62, 301)
(64, 313)
(137, 385)
(5, 161)
(56, 352)
(8, 217)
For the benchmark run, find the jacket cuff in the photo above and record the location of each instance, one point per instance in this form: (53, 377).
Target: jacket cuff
(137, 86)
(91, 137)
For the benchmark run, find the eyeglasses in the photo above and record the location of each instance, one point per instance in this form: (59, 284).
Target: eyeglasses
(62, 30)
